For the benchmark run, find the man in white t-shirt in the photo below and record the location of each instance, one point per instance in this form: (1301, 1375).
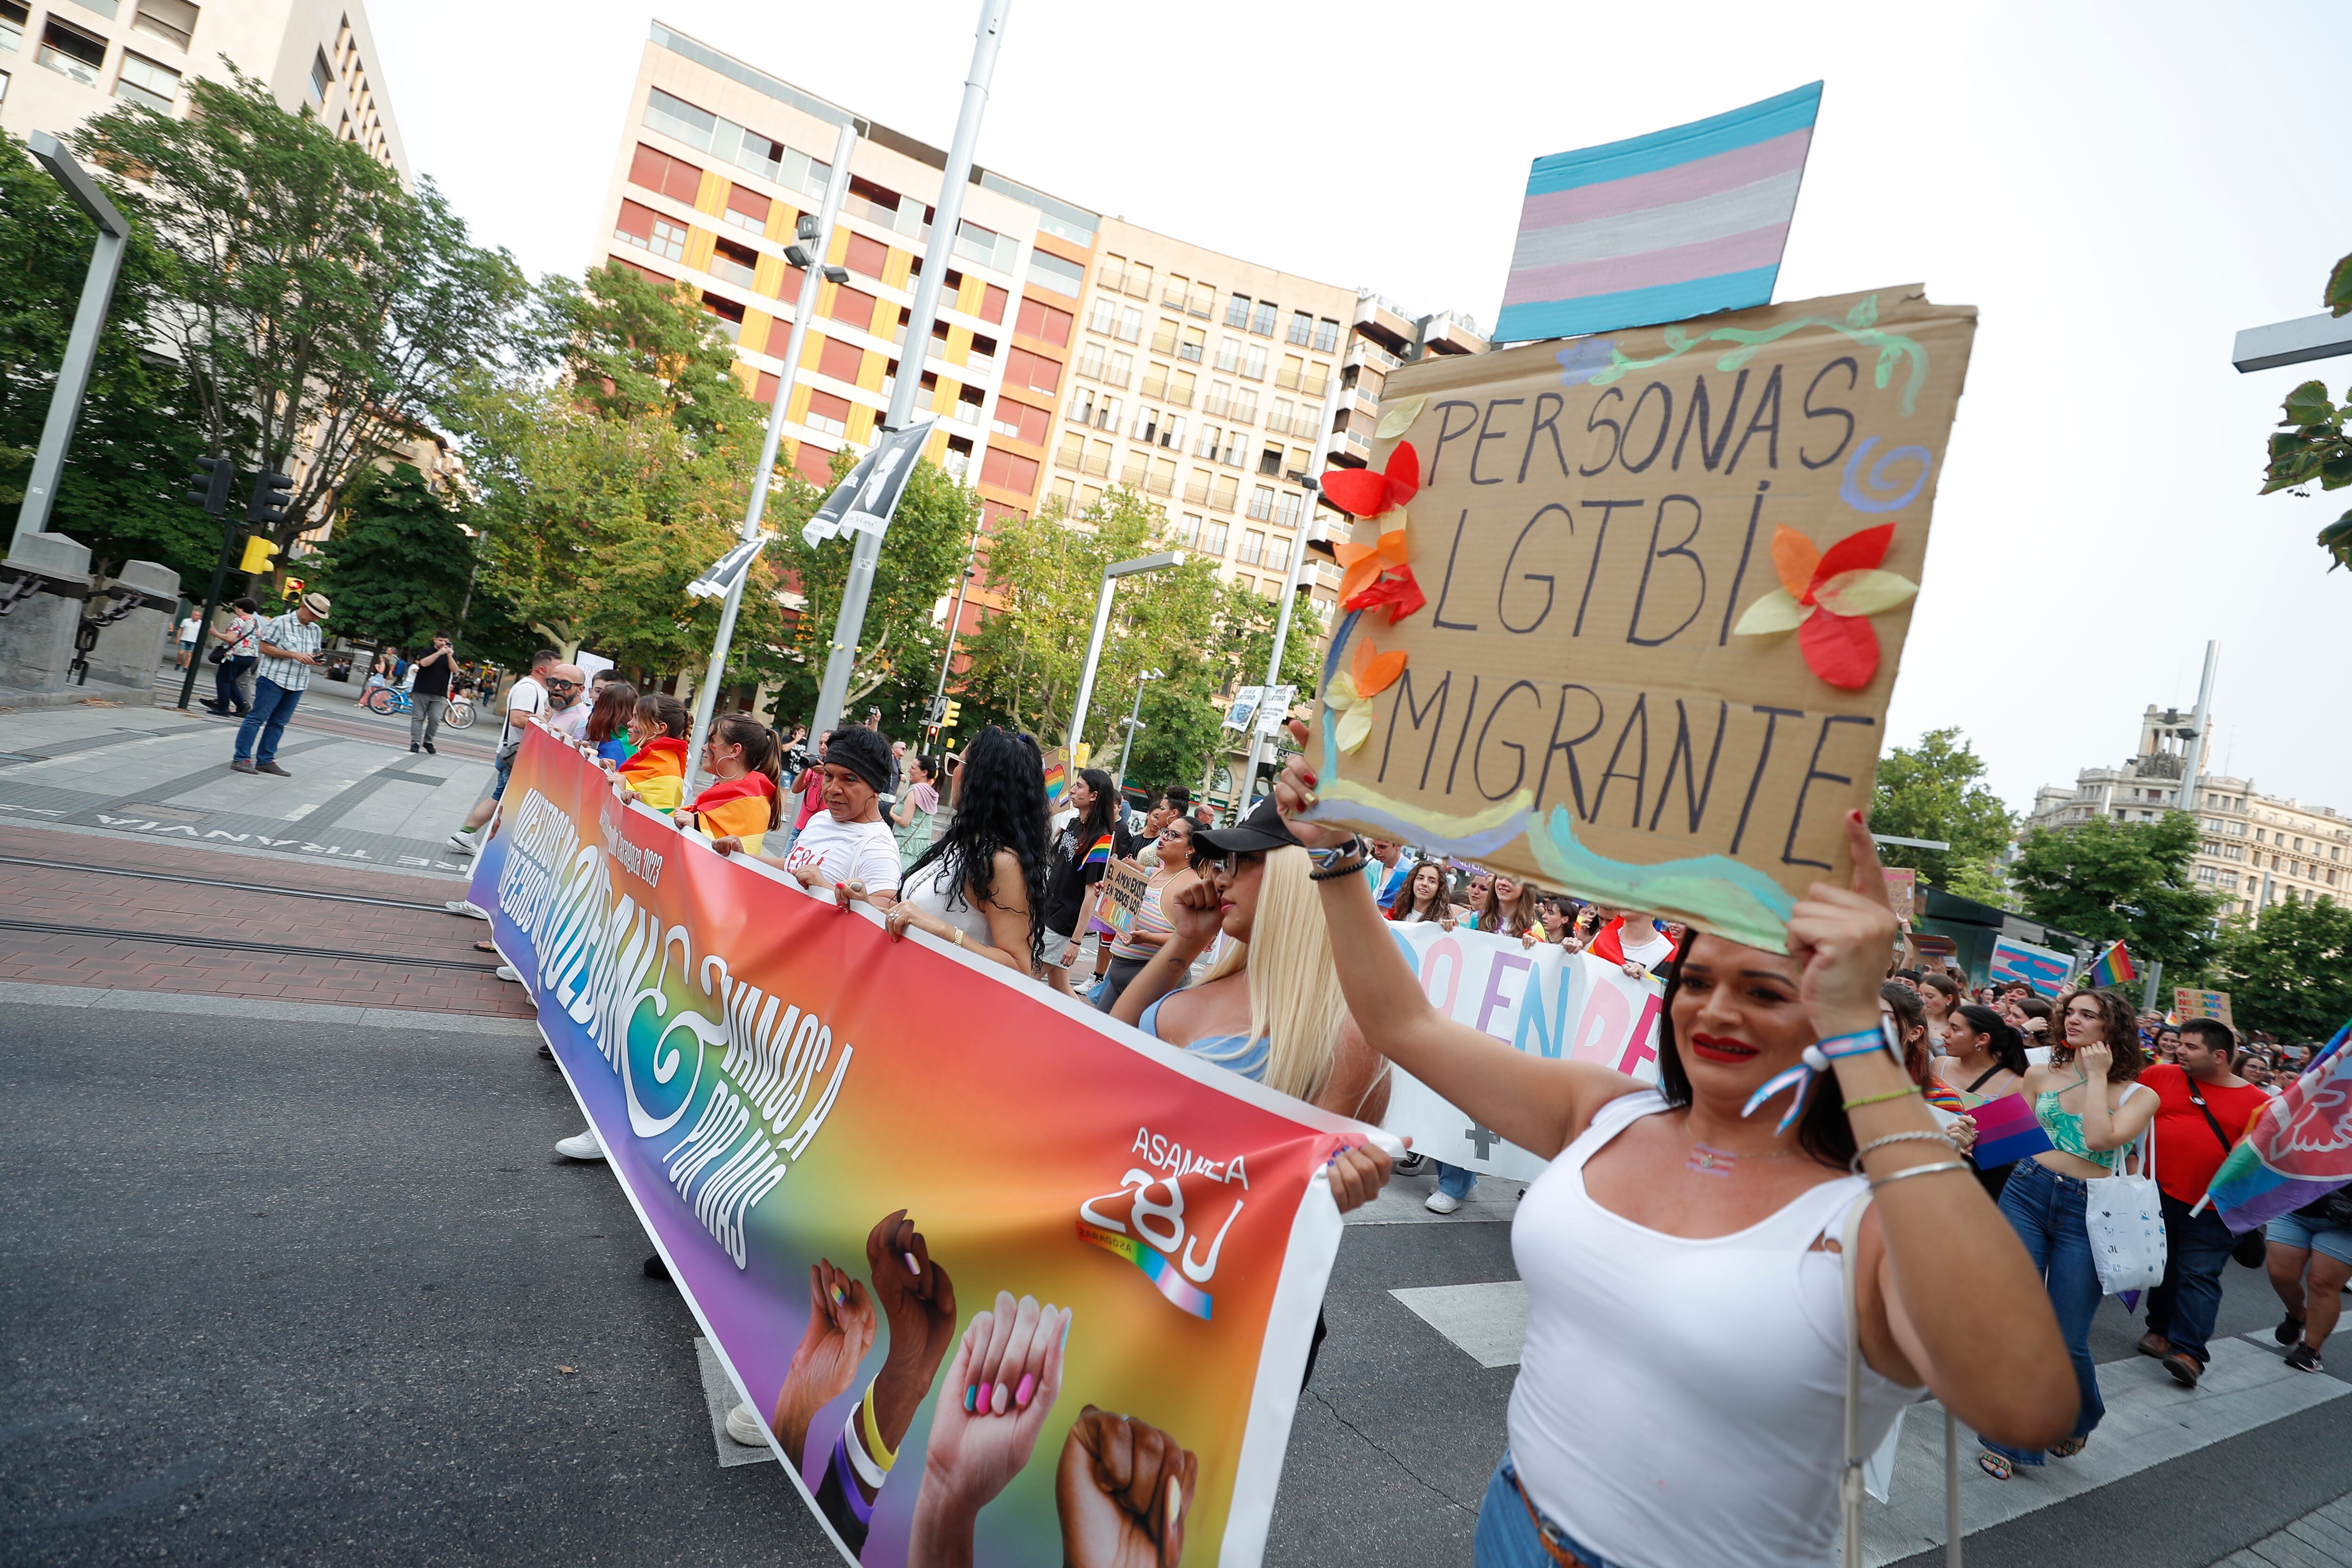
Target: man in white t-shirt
(526, 699)
(188, 631)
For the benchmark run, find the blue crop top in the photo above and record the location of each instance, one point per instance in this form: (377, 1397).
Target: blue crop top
(1236, 1053)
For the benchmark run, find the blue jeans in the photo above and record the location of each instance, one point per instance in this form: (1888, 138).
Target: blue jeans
(272, 705)
(2047, 1211)
(1454, 1182)
(2196, 1250)
(1508, 1537)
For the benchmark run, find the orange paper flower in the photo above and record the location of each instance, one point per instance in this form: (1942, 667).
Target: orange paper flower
(1368, 493)
(1831, 594)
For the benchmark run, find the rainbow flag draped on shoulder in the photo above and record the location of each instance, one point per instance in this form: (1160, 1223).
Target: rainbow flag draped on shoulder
(2113, 967)
(2297, 1150)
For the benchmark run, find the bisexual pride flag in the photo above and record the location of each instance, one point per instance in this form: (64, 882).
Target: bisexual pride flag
(2298, 1149)
(1676, 223)
(2007, 1131)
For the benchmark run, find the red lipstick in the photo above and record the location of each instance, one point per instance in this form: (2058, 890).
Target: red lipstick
(1716, 1048)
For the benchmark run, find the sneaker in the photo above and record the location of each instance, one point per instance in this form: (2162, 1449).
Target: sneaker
(429, 751)
(1442, 1203)
(271, 768)
(412, 748)
(243, 765)
(2186, 1369)
(466, 907)
(509, 971)
(746, 1427)
(580, 1146)
(1412, 1164)
(2302, 1358)
(2290, 1330)
(462, 842)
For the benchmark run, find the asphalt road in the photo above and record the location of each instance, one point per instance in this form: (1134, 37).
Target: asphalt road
(278, 1293)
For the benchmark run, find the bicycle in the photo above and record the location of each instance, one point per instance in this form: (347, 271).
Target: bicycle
(388, 701)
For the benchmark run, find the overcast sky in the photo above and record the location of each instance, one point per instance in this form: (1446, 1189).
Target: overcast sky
(2118, 188)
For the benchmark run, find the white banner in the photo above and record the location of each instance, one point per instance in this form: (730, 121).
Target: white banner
(1544, 1000)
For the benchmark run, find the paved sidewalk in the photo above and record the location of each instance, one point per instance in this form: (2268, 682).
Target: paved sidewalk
(2320, 1538)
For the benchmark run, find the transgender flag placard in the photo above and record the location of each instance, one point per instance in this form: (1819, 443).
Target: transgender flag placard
(1676, 223)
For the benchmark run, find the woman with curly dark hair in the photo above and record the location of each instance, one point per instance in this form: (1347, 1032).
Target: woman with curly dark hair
(980, 885)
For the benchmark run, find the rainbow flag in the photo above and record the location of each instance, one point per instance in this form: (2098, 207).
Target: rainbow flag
(1057, 780)
(2298, 1151)
(2113, 967)
(1100, 854)
(1680, 223)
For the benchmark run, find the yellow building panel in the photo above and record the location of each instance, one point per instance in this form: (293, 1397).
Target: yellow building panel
(837, 250)
(698, 242)
(756, 327)
(886, 319)
(782, 221)
(811, 350)
(797, 411)
(936, 448)
(970, 294)
(748, 374)
(861, 423)
(959, 344)
(869, 372)
(899, 268)
(712, 197)
(768, 278)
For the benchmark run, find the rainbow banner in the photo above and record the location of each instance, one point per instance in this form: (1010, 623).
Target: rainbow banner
(2297, 1150)
(859, 1156)
(2113, 967)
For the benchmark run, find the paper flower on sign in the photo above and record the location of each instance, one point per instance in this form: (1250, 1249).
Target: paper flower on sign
(1397, 417)
(1368, 493)
(1377, 575)
(1827, 598)
(1351, 693)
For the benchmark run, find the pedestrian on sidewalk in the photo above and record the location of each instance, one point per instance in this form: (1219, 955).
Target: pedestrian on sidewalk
(289, 651)
(430, 693)
(189, 626)
(2202, 1109)
(233, 676)
(526, 699)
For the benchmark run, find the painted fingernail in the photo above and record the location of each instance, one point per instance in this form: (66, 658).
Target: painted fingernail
(1028, 1386)
(1004, 1400)
(912, 1267)
(839, 1295)
(971, 1399)
(987, 1397)
(1175, 1501)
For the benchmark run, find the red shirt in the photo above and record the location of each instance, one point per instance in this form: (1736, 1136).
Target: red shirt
(2187, 1153)
(1609, 944)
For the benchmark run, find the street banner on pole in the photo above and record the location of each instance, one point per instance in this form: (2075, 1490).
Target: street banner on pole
(2188, 1002)
(1244, 710)
(1543, 1000)
(1660, 227)
(2045, 969)
(726, 571)
(867, 497)
(1274, 707)
(851, 1150)
(1637, 638)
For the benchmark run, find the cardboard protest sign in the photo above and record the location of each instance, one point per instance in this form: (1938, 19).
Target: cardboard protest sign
(1124, 886)
(1903, 891)
(1544, 1000)
(2043, 968)
(1623, 616)
(844, 1206)
(1057, 776)
(2189, 1003)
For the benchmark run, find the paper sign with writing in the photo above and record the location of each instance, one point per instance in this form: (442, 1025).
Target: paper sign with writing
(2187, 1003)
(1244, 708)
(1124, 886)
(1622, 616)
(1902, 890)
(2043, 968)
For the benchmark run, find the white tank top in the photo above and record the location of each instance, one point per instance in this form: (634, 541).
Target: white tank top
(930, 893)
(1682, 1404)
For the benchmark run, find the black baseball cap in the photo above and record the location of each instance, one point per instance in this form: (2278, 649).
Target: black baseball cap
(1262, 828)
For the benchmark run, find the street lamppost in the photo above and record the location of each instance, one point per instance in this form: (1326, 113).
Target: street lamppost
(81, 343)
(1134, 722)
(1111, 574)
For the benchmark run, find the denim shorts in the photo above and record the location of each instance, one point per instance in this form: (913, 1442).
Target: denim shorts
(2293, 1230)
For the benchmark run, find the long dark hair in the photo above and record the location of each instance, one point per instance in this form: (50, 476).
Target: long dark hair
(2008, 1047)
(1100, 818)
(1822, 1131)
(1408, 904)
(1910, 1013)
(999, 804)
(761, 755)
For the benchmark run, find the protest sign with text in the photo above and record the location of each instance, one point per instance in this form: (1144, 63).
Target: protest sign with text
(2188, 1002)
(1543, 1000)
(1623, 615)
(846, 1148)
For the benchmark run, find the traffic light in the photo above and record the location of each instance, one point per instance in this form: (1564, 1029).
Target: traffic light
(260, 554)
(269, 506)
(948, 720)
(208, 486)
(293, 587)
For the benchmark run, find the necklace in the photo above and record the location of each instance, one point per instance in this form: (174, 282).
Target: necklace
(1706, 1160)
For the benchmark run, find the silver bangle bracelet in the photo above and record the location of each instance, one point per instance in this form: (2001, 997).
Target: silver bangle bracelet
(1855, 1165)
(1921, 1170)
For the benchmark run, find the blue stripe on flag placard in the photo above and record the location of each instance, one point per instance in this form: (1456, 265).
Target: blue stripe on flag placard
(1606, 313)
(1794, 110)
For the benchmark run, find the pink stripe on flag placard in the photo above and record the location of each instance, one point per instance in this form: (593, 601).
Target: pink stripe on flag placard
(1715, 176)
(1649, 269)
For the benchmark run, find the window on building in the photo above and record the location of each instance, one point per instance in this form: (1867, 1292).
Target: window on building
(1261, 319)
(1179, 387)
(959, 461)
(1318, 380)
(1020, 421)
(1237, 311)
(1192, 345)
(1188, 529)
(1327, 334)
(1224, 495)
(1155, 380)
(1171, 294)
(1278, 417)
(1120, 370)
(746, 208)
(841, 361)
(867, 257)
(1277, 554)
(1104, 317)
(1236, 452)
(1042, 322)
(986, 247)
(675, 116)
(1130, 325)
(1254, 363)
(655, 169)
(1163, 338)
(323, 75)
(1289, 507)
(765, 391)
(982, 353)
(69, 51)
(992, 301)
(1246, 405)
(1033, 371)
(643, 271)
(1270, 462)
(1206, 446)
(1229, 354)
(827, 413)
(853, 307)
(734, 262)
(1138, 280)
(173, 21)
(1302, 328)
(644, 228)
(1212, 541)
(1072, 453)
(1261, 505)
(1009, 470)
(141, 80)
(1253, 549)
(728, 313)
(1049, 271)
(12, 16)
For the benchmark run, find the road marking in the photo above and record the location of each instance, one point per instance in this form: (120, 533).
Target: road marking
(1488, 1323)
(300, 811)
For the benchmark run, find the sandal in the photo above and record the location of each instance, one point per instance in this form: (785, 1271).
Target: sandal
(486, 947)
(2069, 1448)
(1992, 1464)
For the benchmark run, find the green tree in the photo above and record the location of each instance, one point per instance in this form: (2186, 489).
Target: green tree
(318, 308)
(1936, 790)
(2289, 970)
(2122, 881)
(398, 563)
(137, 438)
(2310, 444)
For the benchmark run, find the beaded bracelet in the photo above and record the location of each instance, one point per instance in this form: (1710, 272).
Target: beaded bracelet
(1880, 1099)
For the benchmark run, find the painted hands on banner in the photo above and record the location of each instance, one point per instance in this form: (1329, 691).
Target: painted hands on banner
(840, 1331)
(1125, 1490)
(980, 1441)
(918, 1299)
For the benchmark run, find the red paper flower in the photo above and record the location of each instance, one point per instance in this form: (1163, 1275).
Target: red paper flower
(1831, 594)
(1368, 493)
(1396, 589)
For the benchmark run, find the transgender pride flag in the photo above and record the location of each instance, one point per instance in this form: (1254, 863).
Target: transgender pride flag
(1676, 223)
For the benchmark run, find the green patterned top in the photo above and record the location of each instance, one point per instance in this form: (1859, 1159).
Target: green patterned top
(2065, 1130)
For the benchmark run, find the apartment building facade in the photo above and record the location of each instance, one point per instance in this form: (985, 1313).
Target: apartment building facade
(1075, 351)
(2253, 849)
(66, 60)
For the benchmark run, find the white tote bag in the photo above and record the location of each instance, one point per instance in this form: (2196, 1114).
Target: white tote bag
(2124, 1215)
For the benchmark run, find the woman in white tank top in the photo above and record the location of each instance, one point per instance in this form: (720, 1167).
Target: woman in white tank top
(1681, 1400)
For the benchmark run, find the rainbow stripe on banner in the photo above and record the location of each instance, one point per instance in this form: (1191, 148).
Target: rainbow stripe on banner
(1680, 223)
(1180, 1291)
(2113, 967)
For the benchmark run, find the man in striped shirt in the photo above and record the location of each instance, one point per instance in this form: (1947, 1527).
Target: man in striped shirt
(289, 651)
